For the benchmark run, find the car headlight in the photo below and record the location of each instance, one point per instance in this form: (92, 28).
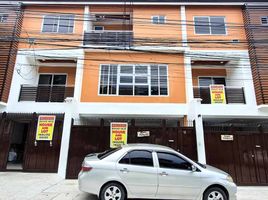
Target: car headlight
(229, 178)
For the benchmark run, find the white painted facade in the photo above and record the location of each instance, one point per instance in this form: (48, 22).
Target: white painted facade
(26, 72)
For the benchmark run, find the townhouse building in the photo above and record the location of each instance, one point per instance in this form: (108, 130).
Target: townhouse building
(151, 64)
(10, 24)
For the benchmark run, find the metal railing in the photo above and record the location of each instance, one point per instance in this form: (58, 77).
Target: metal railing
(232, 94)
(44, 93)
(108, 38)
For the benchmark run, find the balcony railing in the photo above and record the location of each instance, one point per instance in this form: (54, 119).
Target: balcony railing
(45, 93)
(232, 94)
(108, 38)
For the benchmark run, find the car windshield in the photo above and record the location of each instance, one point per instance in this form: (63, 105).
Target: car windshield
(107, 153)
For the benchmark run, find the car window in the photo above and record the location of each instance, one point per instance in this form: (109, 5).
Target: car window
(125, 159)
(172, 161)
(138, 157)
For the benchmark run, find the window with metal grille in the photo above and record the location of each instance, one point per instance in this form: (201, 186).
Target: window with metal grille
(210, 25)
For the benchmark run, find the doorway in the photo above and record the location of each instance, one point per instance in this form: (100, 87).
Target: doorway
(18, 137)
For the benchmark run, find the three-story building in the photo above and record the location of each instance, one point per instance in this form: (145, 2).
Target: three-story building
(152, 65)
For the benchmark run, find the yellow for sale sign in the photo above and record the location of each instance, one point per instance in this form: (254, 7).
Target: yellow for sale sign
(45, 127)
(118, 134)
(217, 94)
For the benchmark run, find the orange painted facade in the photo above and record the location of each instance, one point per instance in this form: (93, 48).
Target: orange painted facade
(233, 20)
(176, 79)
(109, 9)
(206, 72)
(32, 28)
(70, 71)
(145, 32)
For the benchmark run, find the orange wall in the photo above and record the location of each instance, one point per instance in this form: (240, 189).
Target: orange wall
(115, 26)
(91, 76)
(233, 18)
(144, 29)
(206, 72)
(70, 71)
(32, 27)
(109, 8)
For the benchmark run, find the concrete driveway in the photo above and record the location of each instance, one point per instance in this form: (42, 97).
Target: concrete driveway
(35, 186)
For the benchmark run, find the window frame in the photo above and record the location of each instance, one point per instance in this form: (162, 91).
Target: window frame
(58, 24)
(209, 20)
(126, 153)
(133, 81)
(52, 74)
(174, 154)
(211, 77)
(266, 20)
(158, 17)
(99, 82)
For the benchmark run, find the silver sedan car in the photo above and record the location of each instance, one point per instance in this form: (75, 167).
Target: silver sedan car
(153, 172)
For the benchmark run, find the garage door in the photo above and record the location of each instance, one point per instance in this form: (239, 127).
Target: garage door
(240, 152)
(90, 139)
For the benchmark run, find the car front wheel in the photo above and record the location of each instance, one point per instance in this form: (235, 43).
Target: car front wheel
(113, 191)
(214, 194)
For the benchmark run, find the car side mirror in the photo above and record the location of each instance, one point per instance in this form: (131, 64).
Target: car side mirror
(194, 168)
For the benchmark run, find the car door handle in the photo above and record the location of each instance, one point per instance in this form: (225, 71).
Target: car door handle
(163, 174)
(125, 170)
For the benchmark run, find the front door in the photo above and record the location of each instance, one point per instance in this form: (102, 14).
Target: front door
(176, 178)
(138, 173)
(17, 146)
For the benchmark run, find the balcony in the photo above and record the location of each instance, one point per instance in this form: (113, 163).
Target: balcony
(45, 93)
(232, 95)
(108, 38)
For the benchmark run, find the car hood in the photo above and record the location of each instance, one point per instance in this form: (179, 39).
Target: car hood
(215, 170)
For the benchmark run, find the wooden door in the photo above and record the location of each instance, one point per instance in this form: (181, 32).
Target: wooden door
(42, 157)
(6, 128)
(245, 157)
(85, 140)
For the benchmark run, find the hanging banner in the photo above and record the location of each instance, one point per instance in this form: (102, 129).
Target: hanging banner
(217, 94)
(45, 127)
(118, 135)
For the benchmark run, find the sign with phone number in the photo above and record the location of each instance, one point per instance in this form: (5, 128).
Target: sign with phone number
(118, 134)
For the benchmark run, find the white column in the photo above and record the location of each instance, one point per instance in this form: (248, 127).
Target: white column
(188, 78)
(87, 20)
(66, 132)
(194, 114)
(183, 27)
(79, 77)
(249, 90)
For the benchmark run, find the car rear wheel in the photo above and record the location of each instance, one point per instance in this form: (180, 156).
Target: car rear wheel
(215, 194)
(113, 191)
